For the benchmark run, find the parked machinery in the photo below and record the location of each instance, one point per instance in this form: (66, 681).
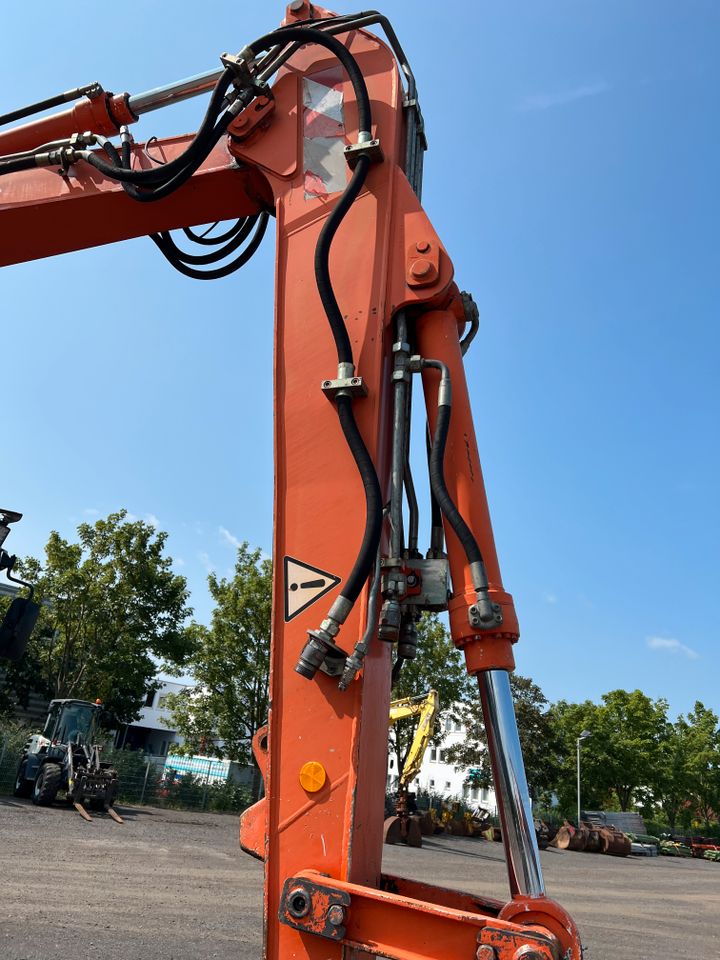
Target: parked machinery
(21, 616)
(64, 758)
(404, 827)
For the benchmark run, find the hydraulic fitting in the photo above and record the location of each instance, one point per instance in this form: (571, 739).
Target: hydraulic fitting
(407, 641)
(321, 652)
(484, 614)
(389, 621)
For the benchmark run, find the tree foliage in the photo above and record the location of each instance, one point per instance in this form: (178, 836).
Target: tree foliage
(438, 666)
(622, 760)
(703, 764)
(112, 609)
(228, 702)
(538, 738)
(673, 785)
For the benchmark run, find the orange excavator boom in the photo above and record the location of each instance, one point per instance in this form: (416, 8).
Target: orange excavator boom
(318, 126)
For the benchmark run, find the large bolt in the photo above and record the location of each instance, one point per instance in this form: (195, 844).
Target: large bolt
(485, 952)
(336, 915)
(422, 246)
(528, 952)
(420, 268)
(297, 5)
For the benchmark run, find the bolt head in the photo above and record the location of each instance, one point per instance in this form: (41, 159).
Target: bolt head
(420, 268)
(485, 952)
(297, 5)
(336, 915)
(422, 246)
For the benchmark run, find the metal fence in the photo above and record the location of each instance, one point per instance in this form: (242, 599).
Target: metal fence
(185, 783)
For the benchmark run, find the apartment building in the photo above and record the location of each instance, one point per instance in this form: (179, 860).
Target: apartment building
(152, 732)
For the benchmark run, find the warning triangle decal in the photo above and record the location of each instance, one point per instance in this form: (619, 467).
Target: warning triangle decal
(304, 585)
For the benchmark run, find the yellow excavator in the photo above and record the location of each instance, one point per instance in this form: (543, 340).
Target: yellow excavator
(402, 827)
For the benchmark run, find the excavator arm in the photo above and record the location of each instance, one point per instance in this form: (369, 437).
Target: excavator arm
(425, 707)
(317, 125)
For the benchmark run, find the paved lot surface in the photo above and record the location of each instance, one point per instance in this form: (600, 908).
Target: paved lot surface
(172, 885)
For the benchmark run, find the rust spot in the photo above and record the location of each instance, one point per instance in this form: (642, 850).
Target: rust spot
(469, 458)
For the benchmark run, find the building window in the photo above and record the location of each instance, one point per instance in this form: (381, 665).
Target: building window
(161, 701)
(150, 698)
(392, 763)
(432, 784)
(458, 726)
(447, 784)
(433, 754)
(442, 756)
(448, 724)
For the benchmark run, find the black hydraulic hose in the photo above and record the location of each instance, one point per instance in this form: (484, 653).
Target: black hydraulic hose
(203, 259)
(437, 479)
(21, 163)
(373, 501)
(41, 105)
(310, 35)
(205, 240)
(171, 251)
(219, 272)
(205, 139)
(435, 511)
(413, 509)
(397, 667)
(168, 187)
(322, 261)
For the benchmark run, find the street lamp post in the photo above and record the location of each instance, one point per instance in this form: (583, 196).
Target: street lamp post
(583, 736)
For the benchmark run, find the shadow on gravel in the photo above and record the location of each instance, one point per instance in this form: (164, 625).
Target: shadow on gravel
(127, 813)
(453, 851)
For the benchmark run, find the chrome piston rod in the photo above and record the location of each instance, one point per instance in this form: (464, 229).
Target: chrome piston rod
(174, 92)
(503, 742)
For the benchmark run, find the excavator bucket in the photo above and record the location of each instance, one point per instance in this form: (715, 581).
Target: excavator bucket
(402, 830)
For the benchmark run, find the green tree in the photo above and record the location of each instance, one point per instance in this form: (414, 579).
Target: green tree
(219, 714)
(622, 760)
(438, 666)
(112, 609)
(704, 763)
(673, 785)
(540, 743)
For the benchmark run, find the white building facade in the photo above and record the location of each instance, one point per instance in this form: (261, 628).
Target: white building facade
(152, 732)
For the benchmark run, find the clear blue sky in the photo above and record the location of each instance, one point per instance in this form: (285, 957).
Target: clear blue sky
(573, 176)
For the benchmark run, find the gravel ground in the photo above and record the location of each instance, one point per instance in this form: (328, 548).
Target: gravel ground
(173, 885)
